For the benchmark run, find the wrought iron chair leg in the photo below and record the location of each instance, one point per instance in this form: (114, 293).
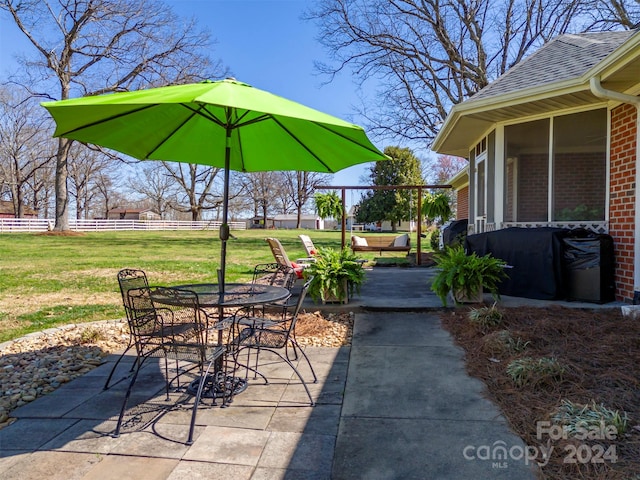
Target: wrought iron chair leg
(115, 366)
(203, 380)
(295, 344)
(304, 384)
(126, 400)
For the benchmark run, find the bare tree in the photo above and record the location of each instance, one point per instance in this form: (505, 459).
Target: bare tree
(87, 47)
(431, 54)
(25, 147)
(262, 189)
(196, 184)
(85, 167)
(106, 193)
(300, 187)
(611, 14)
(444, 167)
(155, 185)
(41, 190)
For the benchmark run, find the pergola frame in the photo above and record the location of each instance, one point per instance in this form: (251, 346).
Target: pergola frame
(343, 189)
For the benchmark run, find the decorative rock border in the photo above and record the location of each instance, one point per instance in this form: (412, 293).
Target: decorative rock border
(38, 363)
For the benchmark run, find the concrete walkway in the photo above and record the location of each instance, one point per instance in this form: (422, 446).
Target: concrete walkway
(397, 404)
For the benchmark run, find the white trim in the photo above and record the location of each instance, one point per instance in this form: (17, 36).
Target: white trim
(499, 176)
(556, 113)
(599, 91)
(550, 164)
(480, 218)
(607, 192)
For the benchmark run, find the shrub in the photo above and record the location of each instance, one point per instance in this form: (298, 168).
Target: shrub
(466, 274)
(577, 418)
(485, 318)
(531, 371)
(503, 342)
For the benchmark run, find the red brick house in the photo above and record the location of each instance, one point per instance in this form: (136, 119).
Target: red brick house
(7, 210)
(554, 142)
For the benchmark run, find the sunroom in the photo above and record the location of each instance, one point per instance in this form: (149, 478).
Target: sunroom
(554, 143)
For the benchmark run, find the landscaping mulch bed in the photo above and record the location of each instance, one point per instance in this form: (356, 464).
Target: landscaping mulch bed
(599, 350)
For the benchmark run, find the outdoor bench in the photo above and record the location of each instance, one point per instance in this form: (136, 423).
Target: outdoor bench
(381, 243)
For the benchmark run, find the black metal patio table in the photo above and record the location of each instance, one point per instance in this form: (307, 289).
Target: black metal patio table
(236, 295)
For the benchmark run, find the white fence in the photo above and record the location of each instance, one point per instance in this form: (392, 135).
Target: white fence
(21, 225)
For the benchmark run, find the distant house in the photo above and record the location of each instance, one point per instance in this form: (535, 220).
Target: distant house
(289, 221)
(259, 222)
(132, 214)
(7, 211)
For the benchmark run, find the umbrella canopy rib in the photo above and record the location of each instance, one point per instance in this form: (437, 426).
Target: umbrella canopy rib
(102, 121)
(302, 144)
(167, 137)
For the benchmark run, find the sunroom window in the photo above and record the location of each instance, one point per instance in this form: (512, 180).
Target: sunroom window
(574, 171)
(527, 171)
(579, 166)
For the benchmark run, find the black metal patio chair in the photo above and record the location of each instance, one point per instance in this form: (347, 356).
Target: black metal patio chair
(176, 331)
(251, 334)
(128, 279)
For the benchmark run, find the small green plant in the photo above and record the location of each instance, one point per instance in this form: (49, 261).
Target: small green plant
(434, 240)
(503, 342)
(336, 273)
(535, 371)
(436, 206)
(577, 419)
(485, 318)
(91, 335)
(465, 274)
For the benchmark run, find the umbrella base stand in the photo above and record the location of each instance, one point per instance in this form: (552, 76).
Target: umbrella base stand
(215, 388)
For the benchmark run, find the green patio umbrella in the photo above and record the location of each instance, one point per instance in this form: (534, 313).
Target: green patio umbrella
(225, 123)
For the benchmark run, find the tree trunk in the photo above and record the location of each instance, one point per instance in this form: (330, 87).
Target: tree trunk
(62, 194)
(264, 215)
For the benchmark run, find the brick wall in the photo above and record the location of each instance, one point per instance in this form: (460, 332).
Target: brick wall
(578, 182)
(622, 196)
(462, 203)
(533, 185)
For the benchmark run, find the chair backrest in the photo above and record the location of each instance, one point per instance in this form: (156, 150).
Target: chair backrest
(133, 279)
(141, 314)
(274, 274)
(298, 306)
(183, 322)
(308, 245)
(278, 252)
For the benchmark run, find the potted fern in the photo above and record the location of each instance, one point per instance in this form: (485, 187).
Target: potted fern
(337, 274)
(466, 276)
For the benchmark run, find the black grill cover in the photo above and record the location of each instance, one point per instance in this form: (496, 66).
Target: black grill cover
(534, 255)
(455, 232)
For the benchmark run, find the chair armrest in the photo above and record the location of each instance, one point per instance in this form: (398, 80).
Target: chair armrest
(303, 262)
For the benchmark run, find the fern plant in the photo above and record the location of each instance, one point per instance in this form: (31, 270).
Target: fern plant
(465, 274)
(336, 274)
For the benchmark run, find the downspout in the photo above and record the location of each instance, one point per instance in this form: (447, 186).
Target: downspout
(600, 92)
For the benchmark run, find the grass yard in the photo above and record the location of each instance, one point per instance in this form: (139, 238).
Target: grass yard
(49, 280)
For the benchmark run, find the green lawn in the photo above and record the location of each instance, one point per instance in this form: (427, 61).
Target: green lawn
(54, 280)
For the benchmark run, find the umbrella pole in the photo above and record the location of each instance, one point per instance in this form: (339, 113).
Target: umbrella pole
(224, 228)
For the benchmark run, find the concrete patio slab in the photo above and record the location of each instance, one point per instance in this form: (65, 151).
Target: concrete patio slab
(397, 404)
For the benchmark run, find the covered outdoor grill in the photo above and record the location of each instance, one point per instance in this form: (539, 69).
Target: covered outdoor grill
(550, 263)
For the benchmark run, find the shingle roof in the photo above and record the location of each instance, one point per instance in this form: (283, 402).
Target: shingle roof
(569, 56)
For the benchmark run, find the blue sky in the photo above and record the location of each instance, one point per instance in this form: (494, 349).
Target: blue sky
(266, 44)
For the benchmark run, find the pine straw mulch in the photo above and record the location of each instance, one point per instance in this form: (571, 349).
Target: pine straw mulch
(601, 352)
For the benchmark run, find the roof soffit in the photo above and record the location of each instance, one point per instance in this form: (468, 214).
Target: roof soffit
(620, 71)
